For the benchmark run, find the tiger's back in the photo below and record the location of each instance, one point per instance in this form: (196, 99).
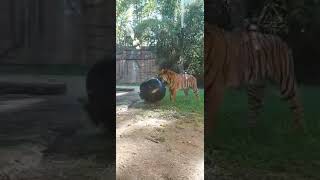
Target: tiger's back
(185, 81)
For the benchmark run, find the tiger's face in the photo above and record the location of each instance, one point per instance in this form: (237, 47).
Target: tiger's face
(163, 75)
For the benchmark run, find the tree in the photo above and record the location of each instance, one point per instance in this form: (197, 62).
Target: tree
(157, 24)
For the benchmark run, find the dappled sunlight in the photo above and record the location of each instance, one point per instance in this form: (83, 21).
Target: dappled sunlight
(147, 123)
(158, 141)
(163, 159)
(121, 93)
(199, 168)
(121, 108)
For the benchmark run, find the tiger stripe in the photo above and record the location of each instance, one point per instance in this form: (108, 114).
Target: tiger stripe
(177, 82)
(233, 59)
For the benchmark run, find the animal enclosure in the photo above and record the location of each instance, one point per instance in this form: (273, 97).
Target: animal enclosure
(135, 65)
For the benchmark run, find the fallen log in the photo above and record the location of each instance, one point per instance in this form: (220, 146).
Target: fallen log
(33, 88)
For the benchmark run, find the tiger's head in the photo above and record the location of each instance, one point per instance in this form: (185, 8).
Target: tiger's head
(165, 75)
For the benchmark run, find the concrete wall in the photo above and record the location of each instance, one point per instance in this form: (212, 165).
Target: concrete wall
(6, 27)
(53, 32)
(135, 66)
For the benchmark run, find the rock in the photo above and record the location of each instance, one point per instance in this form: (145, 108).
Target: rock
(152, 90)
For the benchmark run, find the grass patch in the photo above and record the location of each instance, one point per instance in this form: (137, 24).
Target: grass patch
(185, 104)
(271, 147)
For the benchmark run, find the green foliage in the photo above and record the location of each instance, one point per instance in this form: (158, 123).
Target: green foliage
(146, 31)
(168, 8)
(193, 40)
(122, 21)
(157, 24)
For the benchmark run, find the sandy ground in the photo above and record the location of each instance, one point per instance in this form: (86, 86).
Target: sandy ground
(153, 143)
(51, 137)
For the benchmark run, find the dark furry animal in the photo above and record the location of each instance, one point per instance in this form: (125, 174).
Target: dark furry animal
(100, 86)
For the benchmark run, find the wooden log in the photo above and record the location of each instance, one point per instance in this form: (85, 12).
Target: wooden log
(33, 88)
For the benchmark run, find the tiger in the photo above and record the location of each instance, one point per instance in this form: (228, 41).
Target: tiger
(248, 59)
(177, 82)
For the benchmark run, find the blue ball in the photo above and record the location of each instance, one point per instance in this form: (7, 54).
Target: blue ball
(152, 90)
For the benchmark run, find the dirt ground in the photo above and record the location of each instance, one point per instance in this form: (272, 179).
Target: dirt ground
(51, 137)
(153, 143)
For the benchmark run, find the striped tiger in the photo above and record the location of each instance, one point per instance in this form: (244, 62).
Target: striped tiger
(234, 59)
(177, 82)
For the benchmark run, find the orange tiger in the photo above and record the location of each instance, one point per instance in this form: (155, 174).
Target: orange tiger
(177, 82)
(247, 58)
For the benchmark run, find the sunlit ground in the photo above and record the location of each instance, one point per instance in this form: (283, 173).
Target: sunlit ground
(121, 93)
(161, 140)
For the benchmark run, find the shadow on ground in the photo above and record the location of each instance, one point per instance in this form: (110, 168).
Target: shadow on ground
(51, 137)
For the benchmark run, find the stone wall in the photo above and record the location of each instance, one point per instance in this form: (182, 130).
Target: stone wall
(135, 66)
(56, 31)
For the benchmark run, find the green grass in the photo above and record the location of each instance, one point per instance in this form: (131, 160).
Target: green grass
(272, 146)
(185, 104)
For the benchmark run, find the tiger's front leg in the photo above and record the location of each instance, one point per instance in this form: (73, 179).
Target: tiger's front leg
(213, 100)
(186, 92)
(174, 94)
(172, 98)
(255, 103)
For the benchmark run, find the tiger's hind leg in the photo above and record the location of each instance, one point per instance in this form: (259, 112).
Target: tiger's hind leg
(196, 93)
(186, 91)
(255, 103)
(289, 94)
(173, 93)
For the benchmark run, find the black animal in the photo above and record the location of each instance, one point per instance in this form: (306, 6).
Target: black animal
(100, 86)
